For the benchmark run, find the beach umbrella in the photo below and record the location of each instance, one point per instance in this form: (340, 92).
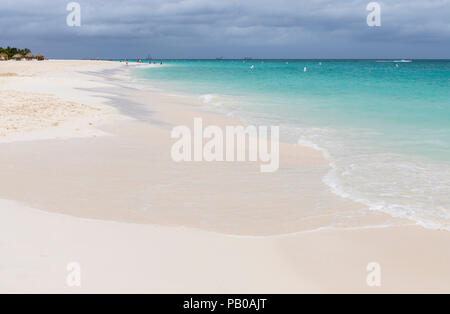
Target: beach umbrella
(3, 56)
(29, 56)
(17, 57)
(40, 57)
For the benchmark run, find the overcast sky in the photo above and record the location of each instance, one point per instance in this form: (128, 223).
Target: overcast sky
(228, 28)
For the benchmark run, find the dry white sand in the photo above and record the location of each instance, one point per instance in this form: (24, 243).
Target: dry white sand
(22, 112)
(37, 101)
(218, 227)
(36, 248)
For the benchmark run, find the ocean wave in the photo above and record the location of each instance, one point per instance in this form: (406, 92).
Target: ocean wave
(208, 98)
(394, 61)
(394, 185)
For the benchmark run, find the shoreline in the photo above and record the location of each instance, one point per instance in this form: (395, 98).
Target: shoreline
(88, 184)
(423, 213)
(116, 85)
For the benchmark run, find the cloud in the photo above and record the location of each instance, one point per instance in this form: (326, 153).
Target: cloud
(203, 28)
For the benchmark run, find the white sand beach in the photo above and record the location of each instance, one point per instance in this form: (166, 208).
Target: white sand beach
(87, 177)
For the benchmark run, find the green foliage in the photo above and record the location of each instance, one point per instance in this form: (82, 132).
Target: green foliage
(12, 51)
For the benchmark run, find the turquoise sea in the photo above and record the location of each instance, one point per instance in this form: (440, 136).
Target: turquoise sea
(385, 124)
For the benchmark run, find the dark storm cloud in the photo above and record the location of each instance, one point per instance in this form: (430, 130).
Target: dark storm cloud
(209, 28)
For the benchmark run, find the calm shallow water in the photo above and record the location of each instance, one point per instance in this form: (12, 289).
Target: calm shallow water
(384, 124)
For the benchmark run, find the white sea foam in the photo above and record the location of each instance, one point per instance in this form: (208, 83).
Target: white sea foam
(208, 98)
(398, 185)
(390, 184)
(394, 61)
(307, 143)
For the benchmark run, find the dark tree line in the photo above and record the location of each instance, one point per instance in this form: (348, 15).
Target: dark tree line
(13, 51)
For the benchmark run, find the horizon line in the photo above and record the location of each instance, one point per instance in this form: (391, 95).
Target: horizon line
(249, 59)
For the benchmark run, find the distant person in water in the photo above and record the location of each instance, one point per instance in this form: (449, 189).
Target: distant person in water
(161, 63)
